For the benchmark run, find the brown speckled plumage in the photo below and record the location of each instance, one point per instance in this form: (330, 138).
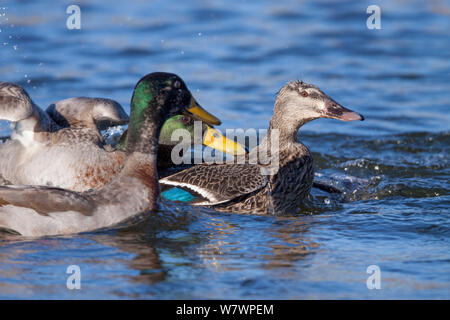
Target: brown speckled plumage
(242, 188)
(284, 191)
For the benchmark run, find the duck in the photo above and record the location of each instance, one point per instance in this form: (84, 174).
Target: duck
(35, 211)
(35, 132)
(253, 186)
(67, 135)
(31, 123)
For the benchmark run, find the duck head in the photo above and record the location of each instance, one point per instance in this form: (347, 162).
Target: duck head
(210, 136)
(17, 106)
(157, 97)
(97, 113)
(165, 90)
(298, 103)
(15, 103)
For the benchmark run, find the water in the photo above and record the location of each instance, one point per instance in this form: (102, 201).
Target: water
(234, 58)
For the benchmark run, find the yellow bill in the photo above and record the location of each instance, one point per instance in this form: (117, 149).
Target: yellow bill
(215, 140)
(196, 112)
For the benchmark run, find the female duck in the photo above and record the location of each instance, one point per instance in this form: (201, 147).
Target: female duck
(31, 124)
(252, 187)
(38, 211)
(25, 158)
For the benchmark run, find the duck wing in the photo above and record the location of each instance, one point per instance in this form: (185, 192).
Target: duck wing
(45, 200)
(218, 183)
(87, 112)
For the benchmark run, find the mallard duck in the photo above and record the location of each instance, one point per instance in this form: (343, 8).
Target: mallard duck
(40, 210)
(31, 124)
(251, 187)
(36, 134)
(67, 137)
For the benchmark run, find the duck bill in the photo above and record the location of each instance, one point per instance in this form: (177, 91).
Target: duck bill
(196, 112)
(334, 110)
(217, 141)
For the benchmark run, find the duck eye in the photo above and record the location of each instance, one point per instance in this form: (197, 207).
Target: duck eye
(304, 93)
(185, 119)
(177, 84)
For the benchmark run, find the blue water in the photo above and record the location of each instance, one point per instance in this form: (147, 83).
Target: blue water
(234, 56)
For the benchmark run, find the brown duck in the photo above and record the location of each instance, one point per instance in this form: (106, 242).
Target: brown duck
(252, 187)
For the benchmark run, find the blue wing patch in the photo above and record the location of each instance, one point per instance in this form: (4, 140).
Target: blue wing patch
(177, 194)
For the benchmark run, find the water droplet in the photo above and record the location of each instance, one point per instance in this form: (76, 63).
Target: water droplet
(199, 34)
(327, 201)
(377, 168)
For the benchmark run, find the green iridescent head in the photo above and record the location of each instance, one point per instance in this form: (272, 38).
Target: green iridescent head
(159, 96)
(156, 97)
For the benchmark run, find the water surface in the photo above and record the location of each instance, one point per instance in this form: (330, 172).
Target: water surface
(234, 57)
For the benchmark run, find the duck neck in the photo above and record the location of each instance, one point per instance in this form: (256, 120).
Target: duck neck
(143, 168)
(38, 122)
(146, 119)
(286, 124)
(142, 149)
(286, 130)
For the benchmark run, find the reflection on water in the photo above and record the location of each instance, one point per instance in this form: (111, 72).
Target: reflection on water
(393, 168)
(290, 244)
(144, 260)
